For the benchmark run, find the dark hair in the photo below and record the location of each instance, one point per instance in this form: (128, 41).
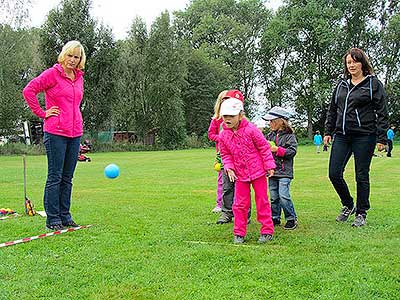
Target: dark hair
(359, 56)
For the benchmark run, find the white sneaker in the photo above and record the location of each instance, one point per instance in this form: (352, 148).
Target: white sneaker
(216, 209)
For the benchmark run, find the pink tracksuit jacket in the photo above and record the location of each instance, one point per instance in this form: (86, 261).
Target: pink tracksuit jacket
(61, 91)
(247, 152)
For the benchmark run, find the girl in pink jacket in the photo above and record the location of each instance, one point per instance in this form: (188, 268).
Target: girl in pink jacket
(247, 160)
(62, 86)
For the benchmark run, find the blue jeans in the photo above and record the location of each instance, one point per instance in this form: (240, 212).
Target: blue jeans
(279, 190)
(362, 146)
(62, 156)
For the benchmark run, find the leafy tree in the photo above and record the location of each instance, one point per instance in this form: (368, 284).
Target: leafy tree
(312, 29)
(132, 108)
(275, 54)
(229, 31)
(17, 61)
(100, 87)
(166, 71)
(206, 79)
(391, 64)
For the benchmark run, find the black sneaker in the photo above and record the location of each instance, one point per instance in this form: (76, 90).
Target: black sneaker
(71, 224)
(238, 239)
(290, 225)
(359, 221)
(224, 218)
(55, 227)
(345, 214)
(264, 238)
(276, 222)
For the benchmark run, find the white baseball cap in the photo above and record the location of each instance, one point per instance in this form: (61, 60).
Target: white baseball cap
(231, 107)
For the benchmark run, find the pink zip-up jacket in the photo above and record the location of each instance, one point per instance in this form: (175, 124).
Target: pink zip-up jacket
(213, 131)
(61, 91)
(246, 151)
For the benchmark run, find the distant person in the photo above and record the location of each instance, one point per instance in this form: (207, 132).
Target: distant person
(283, 147)
(390, 137)
(247, 160)
(62, 86)
(318, 140)
(357, 119)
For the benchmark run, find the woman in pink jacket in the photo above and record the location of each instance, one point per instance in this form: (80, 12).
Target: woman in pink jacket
(247, 160)
(62, 86)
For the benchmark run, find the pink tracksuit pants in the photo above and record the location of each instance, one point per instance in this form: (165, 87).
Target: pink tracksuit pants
(241, 206)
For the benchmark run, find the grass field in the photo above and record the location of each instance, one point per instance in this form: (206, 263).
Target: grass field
(154, 236)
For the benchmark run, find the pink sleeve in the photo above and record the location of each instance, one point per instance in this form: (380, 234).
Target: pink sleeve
(226, 156)
(213, 131)
(281, 151)
(264, 149)
(37, 85)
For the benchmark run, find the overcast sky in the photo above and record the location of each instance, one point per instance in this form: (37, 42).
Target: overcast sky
(119, 14)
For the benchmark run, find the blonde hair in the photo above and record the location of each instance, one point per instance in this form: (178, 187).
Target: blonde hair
(68, 48)
(217, 106)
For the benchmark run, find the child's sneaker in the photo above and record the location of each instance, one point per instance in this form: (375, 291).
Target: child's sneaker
(276, 222)
(216, 209)
(290, 225)
(264, 238)
(345, 214)
(238, 239)
(359, 221)
(224, 218)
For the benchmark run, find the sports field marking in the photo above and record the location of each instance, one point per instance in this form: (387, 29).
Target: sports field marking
(222, 244)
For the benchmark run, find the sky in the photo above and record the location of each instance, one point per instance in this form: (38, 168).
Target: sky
(119, 14)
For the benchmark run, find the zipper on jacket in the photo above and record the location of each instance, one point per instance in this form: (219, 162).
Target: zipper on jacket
(347, 98)
(358, 118)
(345, 108)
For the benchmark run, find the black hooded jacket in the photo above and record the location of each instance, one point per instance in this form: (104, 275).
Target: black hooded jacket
(359, 109)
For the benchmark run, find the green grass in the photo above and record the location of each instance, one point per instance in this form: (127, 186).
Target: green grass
(154, 236)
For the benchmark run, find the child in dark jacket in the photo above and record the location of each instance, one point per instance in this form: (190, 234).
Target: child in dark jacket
(283, 147)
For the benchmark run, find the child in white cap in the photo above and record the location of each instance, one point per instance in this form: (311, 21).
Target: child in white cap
(284, 148)
(247, 160)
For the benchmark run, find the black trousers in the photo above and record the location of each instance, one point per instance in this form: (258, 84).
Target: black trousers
(390, 148)
(362, 147)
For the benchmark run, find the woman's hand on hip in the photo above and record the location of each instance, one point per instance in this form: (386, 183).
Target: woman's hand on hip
(52, 111)
(327, 139)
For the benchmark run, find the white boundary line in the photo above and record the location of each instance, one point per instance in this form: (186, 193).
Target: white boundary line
(224, 244)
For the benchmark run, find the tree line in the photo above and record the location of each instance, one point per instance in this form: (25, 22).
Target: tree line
(165, 80)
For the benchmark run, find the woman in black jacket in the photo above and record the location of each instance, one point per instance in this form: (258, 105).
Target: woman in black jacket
(357, 119)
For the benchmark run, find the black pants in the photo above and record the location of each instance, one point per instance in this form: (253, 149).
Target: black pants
(390, 148)
(362, 147)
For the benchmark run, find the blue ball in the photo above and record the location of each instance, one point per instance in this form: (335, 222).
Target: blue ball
(111, 171)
